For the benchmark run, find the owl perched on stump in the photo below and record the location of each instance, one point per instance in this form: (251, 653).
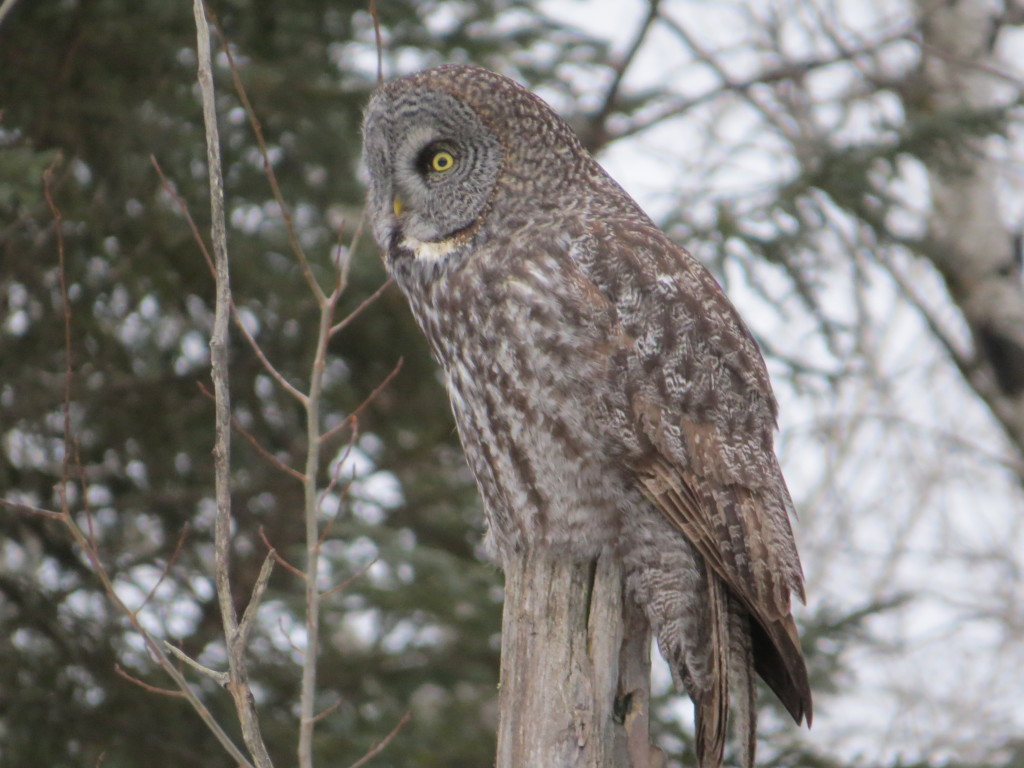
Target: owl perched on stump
(607, 394)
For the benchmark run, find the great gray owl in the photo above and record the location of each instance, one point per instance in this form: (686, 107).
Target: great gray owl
(606, 392)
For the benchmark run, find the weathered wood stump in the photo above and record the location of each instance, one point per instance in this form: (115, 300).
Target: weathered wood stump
(575, 668)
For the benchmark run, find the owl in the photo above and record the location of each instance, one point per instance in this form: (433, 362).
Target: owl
(606, 392)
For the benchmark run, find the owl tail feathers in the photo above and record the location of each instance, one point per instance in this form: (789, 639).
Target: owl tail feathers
(711, 705)
(780, 662)
(742, 685)
(730, 686)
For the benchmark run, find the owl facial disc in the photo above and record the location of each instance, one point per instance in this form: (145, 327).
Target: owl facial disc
(433, 164)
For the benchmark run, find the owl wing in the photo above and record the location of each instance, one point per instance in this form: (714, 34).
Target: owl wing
(694, 383)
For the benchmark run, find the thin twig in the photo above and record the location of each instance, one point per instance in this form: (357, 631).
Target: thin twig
(744, 90)
(237, 426)
(238, 683)
(598, 136)
(935, 326)
(326, 530)
(343, 258)
(264, 452)
(258, 589)
(354, 416)
(380, 44)
(327, 711)
(84, 485)
(28, 508)
(342, 586)
(377, 748)
(269, 367)
(978, 66)
(65, 301)
(341, 325)
(220, 678)
(277, 557)
(268, 168)
(89, 548)
(167, 568)
(119, 670)
(335, 476)
(235, 314)
(180, 203)
(790, 70)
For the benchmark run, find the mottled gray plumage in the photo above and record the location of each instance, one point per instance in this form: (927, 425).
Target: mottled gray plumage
(606, 392)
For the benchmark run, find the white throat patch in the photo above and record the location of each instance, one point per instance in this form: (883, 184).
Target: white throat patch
(430, 252)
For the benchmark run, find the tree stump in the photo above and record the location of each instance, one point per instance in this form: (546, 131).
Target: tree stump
(575, 668)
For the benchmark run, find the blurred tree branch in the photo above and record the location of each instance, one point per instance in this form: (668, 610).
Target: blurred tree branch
(967, 240)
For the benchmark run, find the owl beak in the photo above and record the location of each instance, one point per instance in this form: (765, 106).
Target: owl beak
(396, 205)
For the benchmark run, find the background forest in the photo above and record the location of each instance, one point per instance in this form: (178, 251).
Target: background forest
(852, 172)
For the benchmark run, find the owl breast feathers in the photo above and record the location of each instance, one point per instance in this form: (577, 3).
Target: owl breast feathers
(606, 392)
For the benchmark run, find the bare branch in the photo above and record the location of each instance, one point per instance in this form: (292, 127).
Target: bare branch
(343, 258)
(66, 314)
(342, 586)
(311, 509)
(597, 128)
(377, 748)
(790, 70)
(236, 315)
(343, 262)
(280, 560)
(219, 340)
(167, 568)
(238, 684)
(340, 326)
(328, 711)
(354, 416)
(268, 168)
(335, 476)
(88, 547)
(119, 670)
(180, 203)
(28, 508)
(258, 589)
(220, 678)
(264, 452)
(380, 44)
(286, 385)
(960, 359)
(256, 443)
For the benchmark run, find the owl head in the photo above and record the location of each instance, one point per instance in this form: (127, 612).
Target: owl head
(459, 152)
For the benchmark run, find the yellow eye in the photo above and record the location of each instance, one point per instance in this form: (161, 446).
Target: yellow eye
(442, 161)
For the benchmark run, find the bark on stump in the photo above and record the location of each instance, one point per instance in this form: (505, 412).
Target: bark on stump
(575, 668)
